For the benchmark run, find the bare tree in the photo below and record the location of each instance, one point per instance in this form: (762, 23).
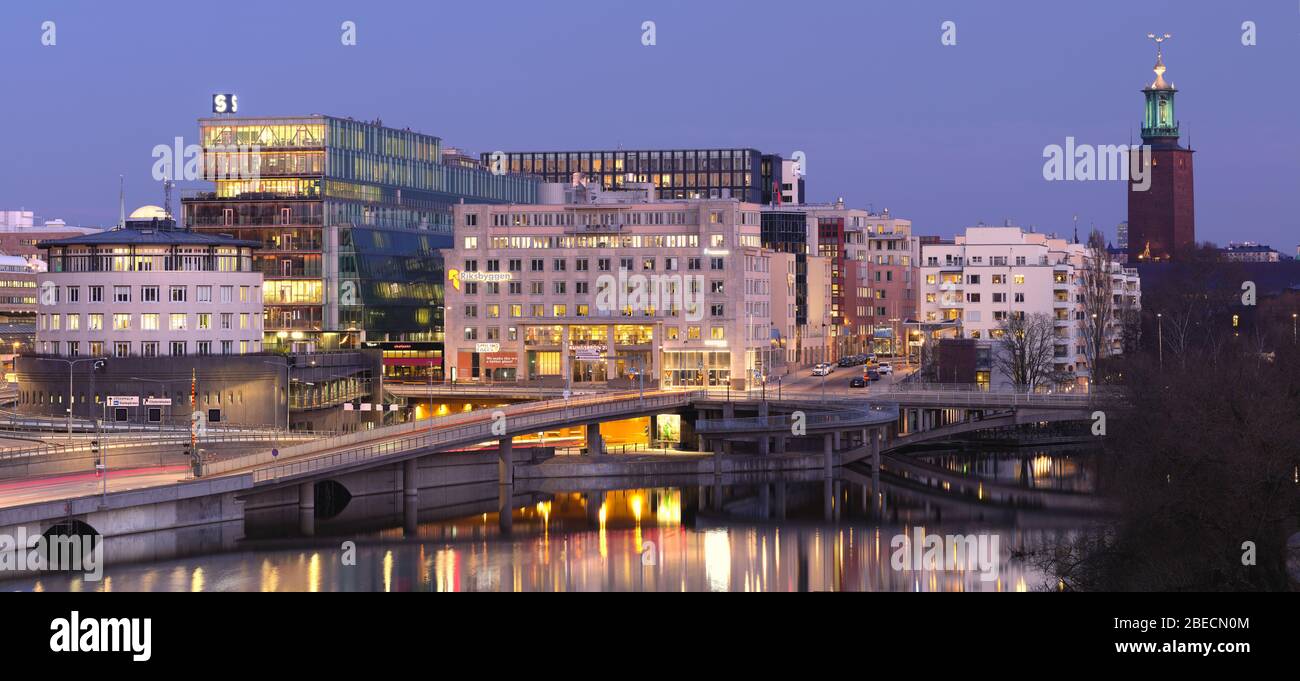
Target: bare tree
(1024, 350)
(1098, 300)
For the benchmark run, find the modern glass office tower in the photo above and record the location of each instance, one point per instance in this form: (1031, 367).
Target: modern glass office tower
(351, 216)
(743, 174)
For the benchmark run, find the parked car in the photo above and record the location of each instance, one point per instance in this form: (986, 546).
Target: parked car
(857, 382)
(845, 362)
(821, 370)
(873, 375)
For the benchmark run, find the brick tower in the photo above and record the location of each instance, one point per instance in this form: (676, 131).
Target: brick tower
(1161, 219)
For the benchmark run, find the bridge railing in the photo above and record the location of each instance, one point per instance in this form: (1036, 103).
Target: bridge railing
(524, 419)
(847, 417)
(123, 441)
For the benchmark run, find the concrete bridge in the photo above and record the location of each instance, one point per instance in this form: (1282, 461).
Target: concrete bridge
(412, 456)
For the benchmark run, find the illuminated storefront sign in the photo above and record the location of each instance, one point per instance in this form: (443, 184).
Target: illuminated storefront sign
(487, 347)
(499, 359)
(457, 276)
(225, 104)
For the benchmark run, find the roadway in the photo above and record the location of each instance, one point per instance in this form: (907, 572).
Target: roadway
(71, 485)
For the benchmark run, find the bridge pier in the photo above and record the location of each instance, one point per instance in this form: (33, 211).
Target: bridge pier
(876, 437)
(410, 515)
(506, 461)
(505, 508)
(828, 452)
(307, 508)
(595, 445)
(410, 478)
(780, 444)
(717, 458)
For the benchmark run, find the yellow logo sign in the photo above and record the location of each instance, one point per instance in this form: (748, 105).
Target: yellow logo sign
(454, 276)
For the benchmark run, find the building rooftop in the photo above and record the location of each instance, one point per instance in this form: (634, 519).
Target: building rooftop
(148, 232)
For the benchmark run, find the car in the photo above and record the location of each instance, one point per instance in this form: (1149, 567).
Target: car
(846, 362)
(821, 370)
(857, 382)
(884, 368)
(873, 375)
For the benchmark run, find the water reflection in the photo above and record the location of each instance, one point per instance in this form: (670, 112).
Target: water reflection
(1060, 468)
(770, 535)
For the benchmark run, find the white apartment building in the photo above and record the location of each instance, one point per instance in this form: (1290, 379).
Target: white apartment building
(989, 273)
(612, 288)
(148, 292)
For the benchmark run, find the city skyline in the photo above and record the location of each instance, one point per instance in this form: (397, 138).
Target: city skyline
(884, 133)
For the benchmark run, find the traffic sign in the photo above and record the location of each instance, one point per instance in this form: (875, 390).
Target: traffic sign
(123, 401)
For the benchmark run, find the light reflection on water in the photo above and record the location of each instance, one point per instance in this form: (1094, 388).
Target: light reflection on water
(768, 537)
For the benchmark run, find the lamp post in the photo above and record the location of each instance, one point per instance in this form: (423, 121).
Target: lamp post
(71, 364)
(1293, 328)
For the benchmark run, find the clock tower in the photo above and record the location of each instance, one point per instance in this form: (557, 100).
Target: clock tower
(1161, 212)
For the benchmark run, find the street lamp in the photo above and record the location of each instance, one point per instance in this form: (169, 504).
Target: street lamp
(1293, 328)
(71, 364)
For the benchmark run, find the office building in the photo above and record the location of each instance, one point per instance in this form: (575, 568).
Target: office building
(743, 174)
(612, 288)
(351, 217)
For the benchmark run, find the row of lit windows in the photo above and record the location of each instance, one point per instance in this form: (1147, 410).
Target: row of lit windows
(97, 348)
(149, 321)
(150, 294)
(554, 335)
(629, 264)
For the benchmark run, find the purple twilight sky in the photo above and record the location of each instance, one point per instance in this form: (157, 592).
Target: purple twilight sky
(945, 135)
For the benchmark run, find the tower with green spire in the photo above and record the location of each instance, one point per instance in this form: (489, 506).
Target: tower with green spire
(1161, 208)
(1159, 125)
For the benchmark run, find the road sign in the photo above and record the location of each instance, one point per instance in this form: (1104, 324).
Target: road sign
(123, 401)
(157, 401)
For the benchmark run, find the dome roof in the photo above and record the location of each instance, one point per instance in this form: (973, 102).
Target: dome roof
(148, 213)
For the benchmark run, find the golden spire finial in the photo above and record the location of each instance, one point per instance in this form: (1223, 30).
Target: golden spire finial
(1160, 83)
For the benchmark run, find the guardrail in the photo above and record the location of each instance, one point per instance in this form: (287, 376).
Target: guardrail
(119, 441)
(525, 418)
(875, 415)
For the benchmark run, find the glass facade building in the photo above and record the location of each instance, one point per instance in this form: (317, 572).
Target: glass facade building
(743, 174)
(351, 216)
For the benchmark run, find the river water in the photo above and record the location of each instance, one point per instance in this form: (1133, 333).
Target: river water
(793, 533)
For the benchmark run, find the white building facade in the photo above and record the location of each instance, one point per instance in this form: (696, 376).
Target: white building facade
(607, 289)
(152, 292)
(990, 273)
